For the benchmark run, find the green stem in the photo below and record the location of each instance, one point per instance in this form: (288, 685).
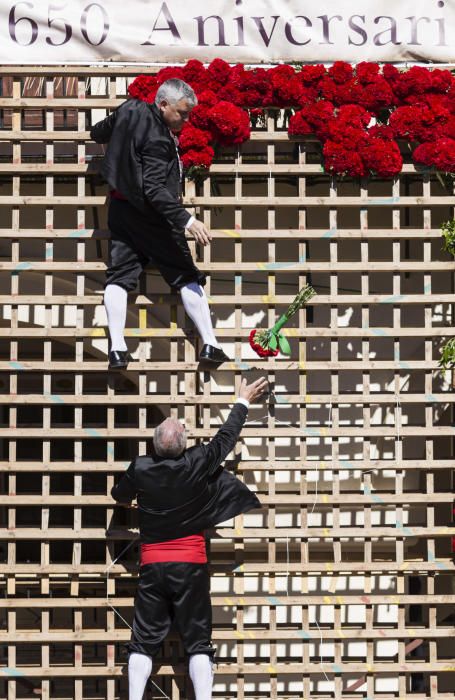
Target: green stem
(279, 324)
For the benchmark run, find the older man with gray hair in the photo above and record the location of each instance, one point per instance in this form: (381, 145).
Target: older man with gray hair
(180, 493)
(146, 218)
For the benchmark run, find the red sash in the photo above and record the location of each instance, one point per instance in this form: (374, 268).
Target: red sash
(189, 549)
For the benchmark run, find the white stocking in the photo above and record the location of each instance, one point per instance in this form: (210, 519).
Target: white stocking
(201, 674)
(139, 670)
(115, 301)
(197, 307)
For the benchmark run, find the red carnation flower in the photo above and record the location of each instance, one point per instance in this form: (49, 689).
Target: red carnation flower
(432, 100)
(169, 72)
(450, 128)
(341, 72)
(420, 123)
(341, 160)
(312, 75)
(439, 154)
(383, 158)
(329, 90)
(307, 95)
(262, 352)
(367, 72)
(191, 138)
(353, 115)
(298, 125)
(200, 158)
(414, 81)
(287, 92)
(318, 116)
(231, 93)
(219, 71)
(254, 87)
(286, 86)
(207, 97)
(375, 95)
(199, 116)
(406, 123)
(194, 72)
(381, 131)
(339, 93)
(144, 88)
(390, 73)
(349, 136)
(441, 80)
(228, 124)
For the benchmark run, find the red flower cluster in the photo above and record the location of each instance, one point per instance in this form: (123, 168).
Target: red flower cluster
(259, 349)
(357, 112)
(195, 147)
(228, 124)
(439, 154)
(144, 88)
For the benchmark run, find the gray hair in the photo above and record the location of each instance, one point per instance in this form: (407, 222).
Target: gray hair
(169, 438)
(173, 90)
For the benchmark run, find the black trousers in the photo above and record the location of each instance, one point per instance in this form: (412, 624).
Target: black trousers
(138, 239)
(172, 592)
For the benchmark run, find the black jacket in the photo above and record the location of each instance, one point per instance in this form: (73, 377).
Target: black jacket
(184, 495)
(141, 160)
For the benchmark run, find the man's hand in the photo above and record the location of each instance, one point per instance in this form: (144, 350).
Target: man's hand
(253, 391)
(200, 232)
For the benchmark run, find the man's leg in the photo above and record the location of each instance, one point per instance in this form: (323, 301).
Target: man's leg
(201, 674)
(115, 301)
(190, 589)
(150, 626)
(139, 670)
(124, 267)
(197, 307)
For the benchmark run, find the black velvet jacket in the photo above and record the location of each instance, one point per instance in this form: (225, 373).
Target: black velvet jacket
(184, 495)
(141, 160)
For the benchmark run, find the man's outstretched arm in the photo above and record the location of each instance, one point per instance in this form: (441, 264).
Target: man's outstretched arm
(224, 441)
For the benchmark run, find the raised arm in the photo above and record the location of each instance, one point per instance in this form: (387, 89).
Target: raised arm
(124, 490)
(225, 439)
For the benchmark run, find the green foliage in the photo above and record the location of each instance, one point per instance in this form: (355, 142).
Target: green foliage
(285, 348)
(447, 360)
(305, 294)
(448, 235)
(273, 342)
(196, 173)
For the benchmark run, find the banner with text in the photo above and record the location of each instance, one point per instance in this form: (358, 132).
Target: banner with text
(250, 31)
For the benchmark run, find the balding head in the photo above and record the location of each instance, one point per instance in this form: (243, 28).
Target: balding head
(169, 438)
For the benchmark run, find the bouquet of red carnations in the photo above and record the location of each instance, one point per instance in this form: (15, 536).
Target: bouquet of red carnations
(269, 343)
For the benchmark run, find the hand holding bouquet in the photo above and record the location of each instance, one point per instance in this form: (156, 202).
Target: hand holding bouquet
(268, 343)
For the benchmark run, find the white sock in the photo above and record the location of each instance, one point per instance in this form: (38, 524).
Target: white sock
(201, 674)
(115, 301)
(139, 670)
(197, 307)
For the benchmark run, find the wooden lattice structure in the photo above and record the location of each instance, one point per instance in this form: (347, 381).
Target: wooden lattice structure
(350, 559)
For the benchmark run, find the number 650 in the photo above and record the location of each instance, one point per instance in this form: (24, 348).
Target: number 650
(57, 23)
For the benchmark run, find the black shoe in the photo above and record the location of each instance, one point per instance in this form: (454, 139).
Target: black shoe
(118, 359)
(214, 356)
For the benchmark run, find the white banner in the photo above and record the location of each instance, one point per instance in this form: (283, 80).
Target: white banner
(251, 31)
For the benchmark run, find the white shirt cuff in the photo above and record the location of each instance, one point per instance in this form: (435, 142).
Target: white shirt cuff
(243, 401)
(190, 222)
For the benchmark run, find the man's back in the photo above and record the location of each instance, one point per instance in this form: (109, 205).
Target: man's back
(183, 495)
